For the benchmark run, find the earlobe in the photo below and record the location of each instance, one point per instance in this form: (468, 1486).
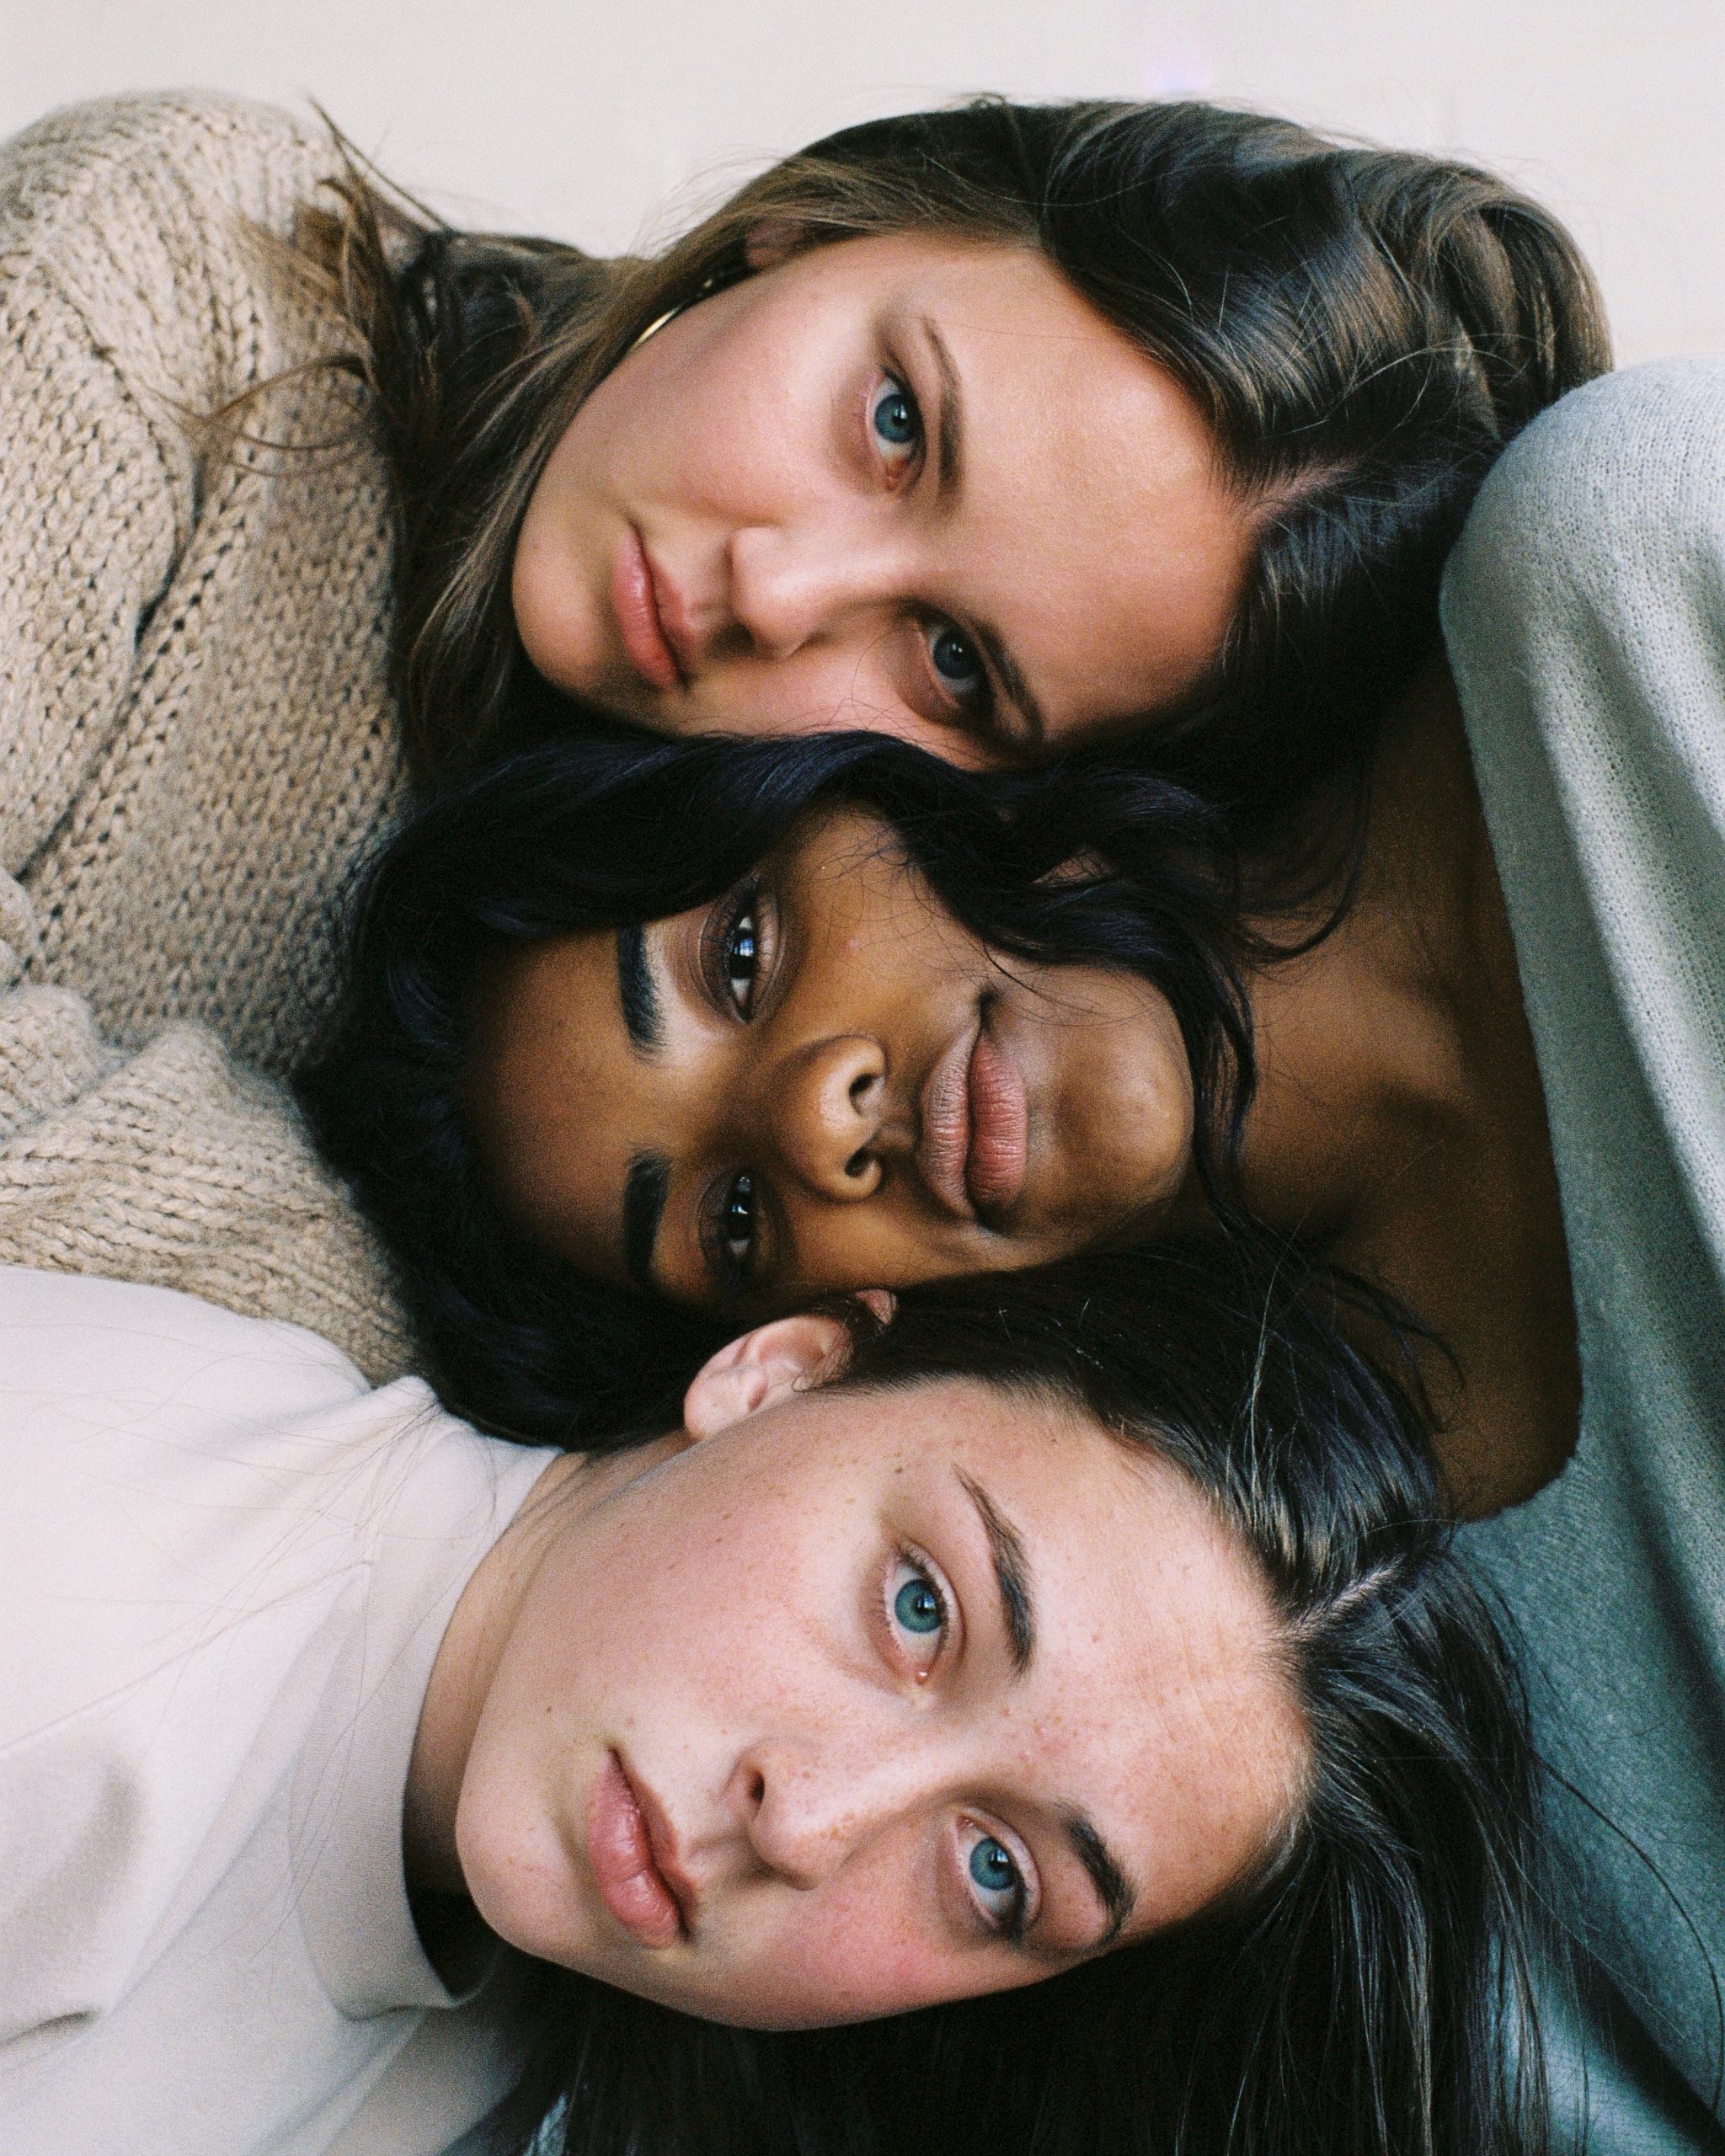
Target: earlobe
(761, 1368)
(772, 241)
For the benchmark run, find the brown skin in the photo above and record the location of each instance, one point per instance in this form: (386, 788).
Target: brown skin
(1400, 1118)
(1401, 1115)
(817, 1072)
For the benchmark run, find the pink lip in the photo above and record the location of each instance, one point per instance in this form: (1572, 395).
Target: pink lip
(635, 602)
(973, 1147)
(629, 1846)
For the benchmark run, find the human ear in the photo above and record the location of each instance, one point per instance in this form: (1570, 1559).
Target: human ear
(760, 1369)
(773, 240)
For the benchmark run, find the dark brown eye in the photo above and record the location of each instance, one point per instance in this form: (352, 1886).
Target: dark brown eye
(738, 959)
(736, 1220)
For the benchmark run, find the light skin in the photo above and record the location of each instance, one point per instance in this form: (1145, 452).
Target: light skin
(911, 483)
(920, 1694)
(820, 1080)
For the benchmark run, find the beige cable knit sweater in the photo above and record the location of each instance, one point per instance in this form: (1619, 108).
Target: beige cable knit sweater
(197, 736)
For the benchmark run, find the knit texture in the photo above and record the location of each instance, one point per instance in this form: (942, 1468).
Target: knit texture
(1584, 611)
(194, 629)
(171, 1166)
(198, 739)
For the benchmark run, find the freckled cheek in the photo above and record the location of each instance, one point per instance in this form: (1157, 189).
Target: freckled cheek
(862, 1946)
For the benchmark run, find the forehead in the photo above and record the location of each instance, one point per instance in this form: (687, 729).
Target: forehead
(1158, 1695)
(1096, 518)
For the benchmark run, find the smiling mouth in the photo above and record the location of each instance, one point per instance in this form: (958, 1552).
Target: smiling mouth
(629, 1847)
(635, 602)
(974, 1148)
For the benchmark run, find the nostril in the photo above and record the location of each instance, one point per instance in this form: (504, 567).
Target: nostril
(857, 1164)
(758, 1790)
(860, 1087)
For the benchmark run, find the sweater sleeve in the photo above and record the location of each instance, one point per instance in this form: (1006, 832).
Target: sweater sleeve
(1584, 613)
(171, 1166)
(129, 309)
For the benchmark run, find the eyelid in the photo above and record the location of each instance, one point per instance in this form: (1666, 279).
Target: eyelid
(951, 1637)
(888, 369)
(1029, 1905)
(721, 917)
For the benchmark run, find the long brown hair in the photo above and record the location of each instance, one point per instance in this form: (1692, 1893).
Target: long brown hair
(1365, 330)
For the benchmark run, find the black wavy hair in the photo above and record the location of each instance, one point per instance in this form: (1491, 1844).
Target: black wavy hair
(1369, 1993)
(602, 829)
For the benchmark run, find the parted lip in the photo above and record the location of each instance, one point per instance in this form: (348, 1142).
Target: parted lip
(662, 1840)
(632, 1849)
(639, 597)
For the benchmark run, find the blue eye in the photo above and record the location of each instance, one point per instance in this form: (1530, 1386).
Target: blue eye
(1000, 1886)
(992, 1867)
(960, 669)
(917, 1606)
(896, 420)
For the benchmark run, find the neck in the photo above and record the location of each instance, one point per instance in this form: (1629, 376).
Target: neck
(1401, 1122)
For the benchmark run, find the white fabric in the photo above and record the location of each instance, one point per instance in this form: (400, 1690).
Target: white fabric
(225, 1570)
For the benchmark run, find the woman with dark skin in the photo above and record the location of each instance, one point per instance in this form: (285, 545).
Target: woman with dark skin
(818, 1079)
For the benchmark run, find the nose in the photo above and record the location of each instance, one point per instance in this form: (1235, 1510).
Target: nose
(823, 1110)
(805, 1814)
(799, 583)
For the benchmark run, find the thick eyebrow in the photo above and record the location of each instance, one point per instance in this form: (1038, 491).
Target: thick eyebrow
(644, 1187)
(949, 468)
(1012, 1573)
(1114, 1890)
(636, 992)
(949, 432)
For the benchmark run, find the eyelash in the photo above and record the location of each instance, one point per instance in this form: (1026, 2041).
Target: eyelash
(722, 930)
(718, 942)
(978, 701)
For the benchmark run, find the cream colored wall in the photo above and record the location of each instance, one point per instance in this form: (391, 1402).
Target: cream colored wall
(580, 117)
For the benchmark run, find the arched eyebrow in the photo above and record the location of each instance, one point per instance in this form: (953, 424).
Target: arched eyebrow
(949, 480)
(1012, 1579)
(1114, 1890)
(1012, 1573)
(638, 992)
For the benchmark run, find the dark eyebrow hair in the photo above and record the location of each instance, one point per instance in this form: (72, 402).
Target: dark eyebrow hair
(1114, 1890)
(1012, 1573)
(949, 434)
(638, 996)
(949, 446)
(644, 1208)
